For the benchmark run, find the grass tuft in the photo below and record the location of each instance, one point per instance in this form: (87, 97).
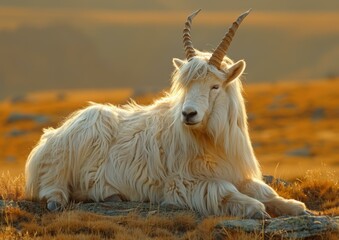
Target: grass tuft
(11, 188)
(319, 190)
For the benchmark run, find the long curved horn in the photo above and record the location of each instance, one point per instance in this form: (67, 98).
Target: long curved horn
(221, 50)
(189, 50)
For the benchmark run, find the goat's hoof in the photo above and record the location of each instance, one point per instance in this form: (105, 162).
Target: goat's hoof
(260, 215)
(114, 198)
(54, 206)
(307, 213)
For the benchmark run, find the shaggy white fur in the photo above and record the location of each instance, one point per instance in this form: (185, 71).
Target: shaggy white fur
(153, 153)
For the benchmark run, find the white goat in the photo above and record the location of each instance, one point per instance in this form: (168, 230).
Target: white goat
(190, 148)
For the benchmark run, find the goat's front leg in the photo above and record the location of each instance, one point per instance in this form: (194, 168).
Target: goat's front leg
(275, 204)
(212, 197)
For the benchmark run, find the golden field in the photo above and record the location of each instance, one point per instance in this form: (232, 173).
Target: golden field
(293, 125)
(294, 130)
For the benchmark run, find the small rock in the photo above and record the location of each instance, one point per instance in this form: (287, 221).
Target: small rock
(10, 159)
(277, 102)
(318, 114)
(18, 99)
(290, 105)
(247, 225)
(16, 133)
(268, 179)
(251, 117)
(300, 152)
(256, 144)
(40, 119)
(15, 117)
(284, 227)
(273, 106)
(302, 226)
(61, 96)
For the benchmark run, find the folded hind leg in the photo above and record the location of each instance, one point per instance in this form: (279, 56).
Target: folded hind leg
(53, 181)
(55, 192)
(274, 204)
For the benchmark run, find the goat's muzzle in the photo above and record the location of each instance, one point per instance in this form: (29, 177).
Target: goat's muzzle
(188, 116)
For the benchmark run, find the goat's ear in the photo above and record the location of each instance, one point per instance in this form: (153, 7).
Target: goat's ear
(235, 71)
(177, 63)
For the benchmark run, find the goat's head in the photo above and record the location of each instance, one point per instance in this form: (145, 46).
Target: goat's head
(205, 76)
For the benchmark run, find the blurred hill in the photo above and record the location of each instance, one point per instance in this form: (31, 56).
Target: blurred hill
(50, 45)
(48, 58)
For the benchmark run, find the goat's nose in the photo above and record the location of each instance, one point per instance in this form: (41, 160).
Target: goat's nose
(189, 114)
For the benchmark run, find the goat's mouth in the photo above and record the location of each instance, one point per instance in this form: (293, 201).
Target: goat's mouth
(188, 123)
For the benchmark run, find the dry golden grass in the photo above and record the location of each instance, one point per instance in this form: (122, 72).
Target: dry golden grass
(318, 190)
(11, 188)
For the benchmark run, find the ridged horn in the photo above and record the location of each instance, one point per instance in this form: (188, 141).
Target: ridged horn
(221, 50)
(188, 45)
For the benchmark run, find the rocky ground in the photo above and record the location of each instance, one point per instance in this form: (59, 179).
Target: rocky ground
(311, 226)
(285, 227)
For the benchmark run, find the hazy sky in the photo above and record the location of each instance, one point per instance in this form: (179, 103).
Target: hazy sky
(277, 5)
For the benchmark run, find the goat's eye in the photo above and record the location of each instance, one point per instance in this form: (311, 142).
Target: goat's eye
(215, 86)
